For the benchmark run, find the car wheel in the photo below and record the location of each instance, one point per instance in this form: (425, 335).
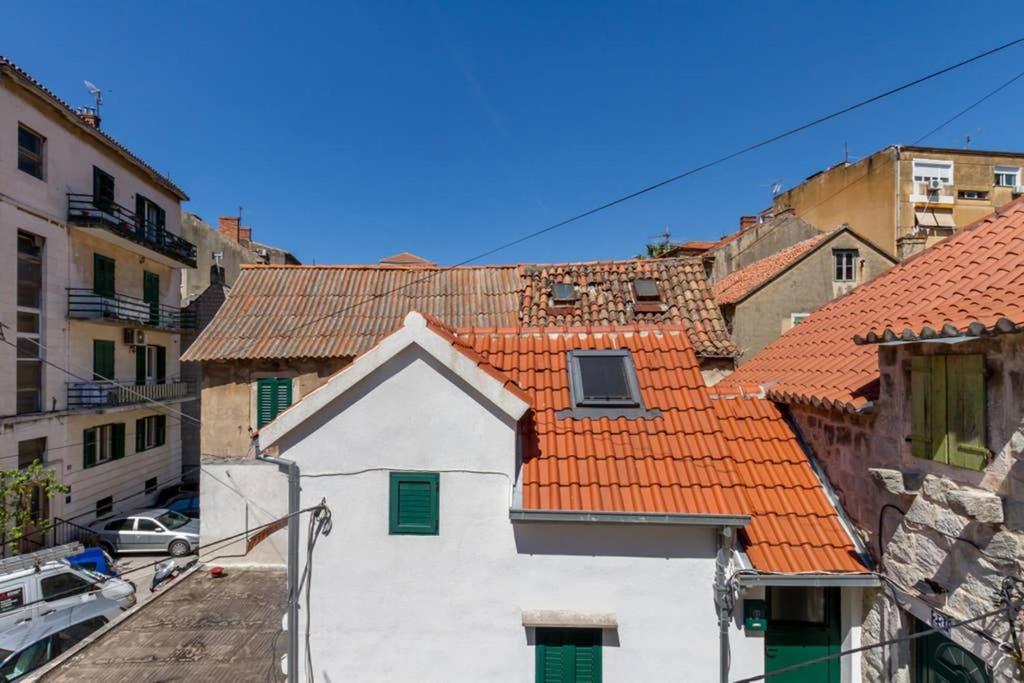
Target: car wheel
(178, 548)
(107, 548)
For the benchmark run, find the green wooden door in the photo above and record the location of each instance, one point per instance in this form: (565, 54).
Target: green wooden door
(803, 624)
(151, 295)
(568, 655)
(939, 660)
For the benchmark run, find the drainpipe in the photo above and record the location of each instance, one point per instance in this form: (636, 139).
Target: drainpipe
(722, 599)
(292, 470)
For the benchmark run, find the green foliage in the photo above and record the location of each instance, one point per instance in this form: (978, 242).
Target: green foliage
(17, 488)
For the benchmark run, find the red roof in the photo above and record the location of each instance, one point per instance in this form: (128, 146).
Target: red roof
(405, 258)
(737, 285)
(970, 284)
(699, 456)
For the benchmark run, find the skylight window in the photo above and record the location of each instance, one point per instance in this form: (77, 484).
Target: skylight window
(603, 379)
(563, 294)
(646, 290)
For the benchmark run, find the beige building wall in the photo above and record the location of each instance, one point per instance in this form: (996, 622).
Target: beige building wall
(209, 240)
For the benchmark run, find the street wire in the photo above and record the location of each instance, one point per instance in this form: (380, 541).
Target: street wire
(950, 120)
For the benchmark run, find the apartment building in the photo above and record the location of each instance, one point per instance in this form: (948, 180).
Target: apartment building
(90, 285)
(906, 198)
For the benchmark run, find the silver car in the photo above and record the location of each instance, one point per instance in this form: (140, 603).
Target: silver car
(147, 531)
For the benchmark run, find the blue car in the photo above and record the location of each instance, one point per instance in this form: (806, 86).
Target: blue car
(185, 503)
(95, 559)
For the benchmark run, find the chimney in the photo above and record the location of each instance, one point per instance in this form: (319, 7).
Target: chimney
(216, 274)
(245, 234)
(747, 222)
(228, 226)
(89, 116)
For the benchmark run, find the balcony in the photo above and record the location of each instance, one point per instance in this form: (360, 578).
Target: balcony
(85, 304)
(100, 394)
(84, 210)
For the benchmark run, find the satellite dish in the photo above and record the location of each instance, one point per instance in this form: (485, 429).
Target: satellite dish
(91, 87)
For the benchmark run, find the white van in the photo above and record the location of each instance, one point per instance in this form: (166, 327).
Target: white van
(33, 585)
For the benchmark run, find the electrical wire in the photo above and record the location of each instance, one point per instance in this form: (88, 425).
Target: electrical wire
(950, 120)
(662, 183)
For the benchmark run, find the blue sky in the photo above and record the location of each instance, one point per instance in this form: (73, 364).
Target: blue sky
(353, 131)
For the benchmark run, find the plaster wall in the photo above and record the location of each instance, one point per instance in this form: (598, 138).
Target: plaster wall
(208, 240)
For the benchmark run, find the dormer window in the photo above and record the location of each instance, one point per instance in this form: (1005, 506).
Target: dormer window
(646, 290)
(603, 379)
(563, 294)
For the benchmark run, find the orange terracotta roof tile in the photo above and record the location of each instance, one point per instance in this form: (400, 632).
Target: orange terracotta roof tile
(739, 284)
(971, 283)
(701, 455)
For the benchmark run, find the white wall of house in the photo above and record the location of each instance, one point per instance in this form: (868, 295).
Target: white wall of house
(450, 607)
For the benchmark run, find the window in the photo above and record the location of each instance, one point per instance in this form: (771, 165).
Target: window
(147, 525)
(646, 290)
(150, 432)
(568, 655)
(926, 170)
(1007, 176)
(273, 395)
(30, 451)
(151, 218)
(603, 378)
(67, 638)
(150, 486)
(802, 604)
(846, 265)
(972, 194)
(102, 360)
(104, 506)
(151, 295)
(102, 189)
(414, 507)
(103, 275)
(102, 444)
(124, 524)
(29, 659)
(947, 412)
(63, 585)
(30, 151)
(150, 364)
(563, 294)
(29, 371)
(796, 318)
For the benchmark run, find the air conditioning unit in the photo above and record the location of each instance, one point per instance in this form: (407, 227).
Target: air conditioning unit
(935, 184)
(134, 337)
(1019, 189)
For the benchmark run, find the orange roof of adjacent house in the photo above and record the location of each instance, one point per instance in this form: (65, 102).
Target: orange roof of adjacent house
(970, 284)
(739, 284)
(700, 455)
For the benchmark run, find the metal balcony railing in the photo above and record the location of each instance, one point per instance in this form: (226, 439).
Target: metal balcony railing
(100, 394)
(85, 304)
(84, 209)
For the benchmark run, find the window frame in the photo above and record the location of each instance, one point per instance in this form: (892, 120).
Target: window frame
(150, 432)
(106, 508)
(1006, 171)
(37, 157)
(275, 382)
(837, 264)
(106, 443)
(542, 638)
(563, 301)
(578, 395)
(31, 364)
(948, 410)
(647, 298)
(793, 322)
(933, 163)
(395, 525)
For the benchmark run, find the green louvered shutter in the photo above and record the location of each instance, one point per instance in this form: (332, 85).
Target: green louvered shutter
(568, 655)
(103, 275)
(161, 364)
(965, 410)
(102, 359)
(266, 390)
(283, 394)
(140, 435)
(414, 503)
(161, 430)
(117, 440)
(140, 365)
(89, 450)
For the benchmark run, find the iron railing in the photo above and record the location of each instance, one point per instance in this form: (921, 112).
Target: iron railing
(86, 304)
(85, 209)
(100, 394)
(55, 532)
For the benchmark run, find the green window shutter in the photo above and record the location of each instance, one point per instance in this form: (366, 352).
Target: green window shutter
(965, 410)
(140, 365)
(102, 188)
(266, 394)
(568, 655)
(936, 409)
(102, 359)
(102, 275)
(117, 440)
(161, 364)
(140, 211)
(161, 430)
(161, 219)
(140, 435)
(920, 396)
(284, 394)
(89, 450)
(414, 503)
(151, 295)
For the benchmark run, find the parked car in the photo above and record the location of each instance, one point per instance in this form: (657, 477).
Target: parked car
(96, 559)
(29, 591)
(174, 490)
(147, 531)
(29, 646)
(185, 503)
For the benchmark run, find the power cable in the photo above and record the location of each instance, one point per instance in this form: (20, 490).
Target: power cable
(650, 188)
(950, 120)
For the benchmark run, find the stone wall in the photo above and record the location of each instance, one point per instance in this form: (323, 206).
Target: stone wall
(949, 535)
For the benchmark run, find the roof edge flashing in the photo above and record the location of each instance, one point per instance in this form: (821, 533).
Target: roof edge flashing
(593, 517)
(759, 579)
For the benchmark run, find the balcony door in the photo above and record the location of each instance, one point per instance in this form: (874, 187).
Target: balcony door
(151, 295)
(102, 189)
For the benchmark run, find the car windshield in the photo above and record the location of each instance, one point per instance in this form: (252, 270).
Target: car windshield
(95, 575)
(172, 519)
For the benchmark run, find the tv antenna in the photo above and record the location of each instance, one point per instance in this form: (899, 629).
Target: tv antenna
(97, 95)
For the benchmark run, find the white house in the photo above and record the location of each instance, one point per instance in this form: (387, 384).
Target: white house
(569, 505)
(91, 300)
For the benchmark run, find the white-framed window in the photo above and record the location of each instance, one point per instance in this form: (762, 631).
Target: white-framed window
(795, 318)
(29, 371)
(1007, 176)
(846, 265)
(926, 170)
